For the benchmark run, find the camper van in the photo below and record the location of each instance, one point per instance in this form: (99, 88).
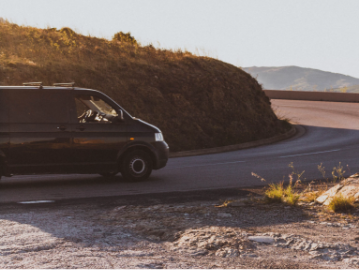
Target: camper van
(64, 129)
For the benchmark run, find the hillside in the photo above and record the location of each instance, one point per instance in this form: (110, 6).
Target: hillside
(197, 102)
(298, 78)
(346, 89)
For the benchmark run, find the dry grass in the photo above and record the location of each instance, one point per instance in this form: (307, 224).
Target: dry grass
(310, 196)
(276, 193)
(339, 203)
(198, 102)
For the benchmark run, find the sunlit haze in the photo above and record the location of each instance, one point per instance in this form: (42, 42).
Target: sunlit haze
(321, 34)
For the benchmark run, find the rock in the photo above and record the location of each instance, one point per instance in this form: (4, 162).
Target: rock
(151, 266)
(250, 255)
(310, 221)
(262, 239)
(330, 193)
(348, 188)
(224, 215)
(119, 208)
(200, 253)
(227, 253)
(354, 261)
(134, 253)
(356, 196)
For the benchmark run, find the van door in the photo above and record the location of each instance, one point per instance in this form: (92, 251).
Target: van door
(98, 135)
(40, 134)
(4, 132)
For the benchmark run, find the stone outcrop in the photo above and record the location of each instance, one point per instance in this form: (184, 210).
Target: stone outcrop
(348, 188)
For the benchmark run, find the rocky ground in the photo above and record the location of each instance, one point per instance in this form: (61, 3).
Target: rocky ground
(196, 234)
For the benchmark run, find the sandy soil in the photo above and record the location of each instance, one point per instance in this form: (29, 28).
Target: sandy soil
(188, 235)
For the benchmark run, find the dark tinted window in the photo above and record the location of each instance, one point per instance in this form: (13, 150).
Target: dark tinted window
(3, 108)
(39, 106)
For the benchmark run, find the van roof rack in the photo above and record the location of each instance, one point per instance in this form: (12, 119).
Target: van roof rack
(40, 84)
(70, 84)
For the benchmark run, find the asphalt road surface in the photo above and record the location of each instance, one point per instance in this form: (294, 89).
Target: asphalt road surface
(328, 133)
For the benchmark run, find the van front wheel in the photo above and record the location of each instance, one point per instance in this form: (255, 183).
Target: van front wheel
(136, 165)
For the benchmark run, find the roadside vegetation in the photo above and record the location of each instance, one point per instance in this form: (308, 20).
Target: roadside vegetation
(279, 193)
(339, 203)
(198, 102)
(293, 194)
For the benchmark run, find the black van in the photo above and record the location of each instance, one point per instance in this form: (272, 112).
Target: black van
(63, 129)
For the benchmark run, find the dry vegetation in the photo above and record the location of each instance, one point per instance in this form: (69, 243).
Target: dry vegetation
(198, 102)
(341, 204)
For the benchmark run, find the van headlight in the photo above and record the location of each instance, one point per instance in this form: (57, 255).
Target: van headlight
(159, 137)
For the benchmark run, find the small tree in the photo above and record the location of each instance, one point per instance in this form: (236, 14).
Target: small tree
(125, 37)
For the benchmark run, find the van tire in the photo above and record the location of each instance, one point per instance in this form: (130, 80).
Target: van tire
(136, 166)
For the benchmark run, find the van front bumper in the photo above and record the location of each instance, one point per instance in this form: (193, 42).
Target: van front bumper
(162, 154)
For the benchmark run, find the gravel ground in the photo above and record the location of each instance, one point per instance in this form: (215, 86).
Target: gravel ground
(196, 234)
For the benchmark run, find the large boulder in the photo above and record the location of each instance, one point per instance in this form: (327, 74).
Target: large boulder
(349, 188)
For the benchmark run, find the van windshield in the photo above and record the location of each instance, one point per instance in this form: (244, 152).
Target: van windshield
(94, 109)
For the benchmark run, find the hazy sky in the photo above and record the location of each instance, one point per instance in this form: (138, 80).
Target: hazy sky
(322, 34)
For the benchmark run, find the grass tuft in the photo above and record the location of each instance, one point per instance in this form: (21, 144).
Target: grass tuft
(276, 193)
(339, 203)
(125, 37)
(310, 196)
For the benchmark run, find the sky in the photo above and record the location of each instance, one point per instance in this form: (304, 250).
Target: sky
(320, 34)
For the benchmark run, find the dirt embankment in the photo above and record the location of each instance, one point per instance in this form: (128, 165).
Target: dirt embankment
(178, 235)
(198, 102)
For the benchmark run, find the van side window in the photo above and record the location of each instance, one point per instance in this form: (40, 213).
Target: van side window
(38, 106)
(92, 109)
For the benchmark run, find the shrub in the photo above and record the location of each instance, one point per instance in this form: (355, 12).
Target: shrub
(276, 193)
(290, 197)
(125, 37)
(67, 31)
(339, 203)
(338, 173)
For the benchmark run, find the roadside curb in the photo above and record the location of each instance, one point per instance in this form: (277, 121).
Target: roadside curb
(221, 149)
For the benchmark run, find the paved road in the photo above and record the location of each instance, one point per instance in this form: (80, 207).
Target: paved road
(328, 133)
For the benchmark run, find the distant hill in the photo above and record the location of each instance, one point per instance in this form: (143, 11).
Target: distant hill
(350, 89)
(302, 79)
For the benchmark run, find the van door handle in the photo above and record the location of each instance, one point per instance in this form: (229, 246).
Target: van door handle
(81, 128)
(62, 128)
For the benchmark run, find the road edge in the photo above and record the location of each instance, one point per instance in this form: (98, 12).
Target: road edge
(313, 96)
(292, 132)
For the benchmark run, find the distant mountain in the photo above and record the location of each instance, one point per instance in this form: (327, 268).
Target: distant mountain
(305, 79)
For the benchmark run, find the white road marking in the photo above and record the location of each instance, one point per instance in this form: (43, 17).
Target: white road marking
(312, 153)
(42, 176)
(40, 201)
(212, 164)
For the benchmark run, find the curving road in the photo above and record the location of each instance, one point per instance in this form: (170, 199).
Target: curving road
(328, 133)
